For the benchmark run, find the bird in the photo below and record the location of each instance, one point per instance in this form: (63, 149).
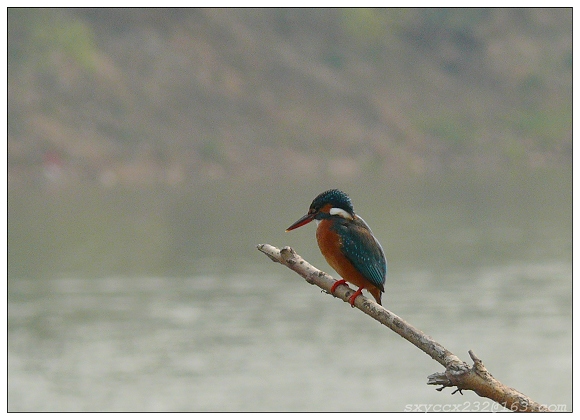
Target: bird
(347, 243)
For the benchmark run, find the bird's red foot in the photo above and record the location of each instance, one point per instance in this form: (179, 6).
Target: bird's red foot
(354, 296)
(336, 284)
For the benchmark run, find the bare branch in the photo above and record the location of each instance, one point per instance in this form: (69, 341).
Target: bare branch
(457, 373)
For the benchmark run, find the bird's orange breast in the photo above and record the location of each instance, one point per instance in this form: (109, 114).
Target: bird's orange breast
(330, 244)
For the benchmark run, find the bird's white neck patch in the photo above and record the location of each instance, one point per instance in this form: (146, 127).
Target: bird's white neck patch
(335, 211)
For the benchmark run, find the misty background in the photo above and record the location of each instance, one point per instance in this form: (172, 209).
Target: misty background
(151, 150)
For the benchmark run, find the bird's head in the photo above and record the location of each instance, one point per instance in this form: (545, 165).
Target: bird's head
(327, 204)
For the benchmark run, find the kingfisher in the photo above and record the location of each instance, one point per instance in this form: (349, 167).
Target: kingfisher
(347, 243)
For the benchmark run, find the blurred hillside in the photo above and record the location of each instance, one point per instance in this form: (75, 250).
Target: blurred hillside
(140, 96)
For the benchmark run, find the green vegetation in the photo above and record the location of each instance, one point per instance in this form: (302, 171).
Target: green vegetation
(259, 92)
(38, 36)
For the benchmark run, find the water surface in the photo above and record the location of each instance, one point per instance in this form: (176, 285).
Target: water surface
(150, 301)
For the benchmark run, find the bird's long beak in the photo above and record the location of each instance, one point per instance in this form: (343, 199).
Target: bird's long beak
(301, 222)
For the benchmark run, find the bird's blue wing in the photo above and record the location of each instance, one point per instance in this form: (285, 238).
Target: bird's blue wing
(364, 251)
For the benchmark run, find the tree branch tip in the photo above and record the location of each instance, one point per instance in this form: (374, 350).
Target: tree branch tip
(262, 248)
(477, 364)
(438, 378)
(474, 357)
